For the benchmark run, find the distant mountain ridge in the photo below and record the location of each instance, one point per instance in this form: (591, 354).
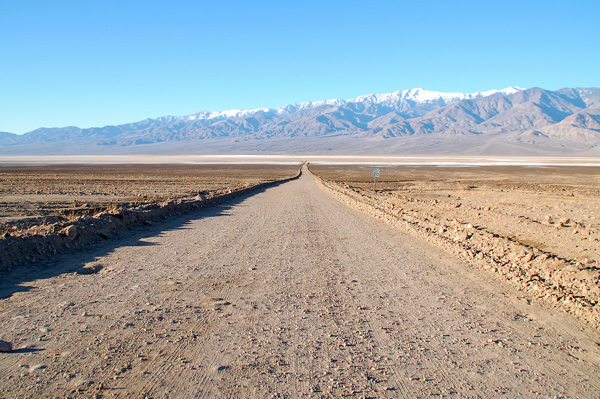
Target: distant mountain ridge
(412, 96)
(512, 121)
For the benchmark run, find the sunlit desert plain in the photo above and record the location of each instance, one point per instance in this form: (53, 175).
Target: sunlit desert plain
(299, 277)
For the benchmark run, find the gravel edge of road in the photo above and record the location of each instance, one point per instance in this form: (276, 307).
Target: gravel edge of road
(85, 230)
(563, 285)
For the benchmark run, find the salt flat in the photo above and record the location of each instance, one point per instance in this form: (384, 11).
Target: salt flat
(294, 159)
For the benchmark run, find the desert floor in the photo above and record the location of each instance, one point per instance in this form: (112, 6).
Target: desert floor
(32, 193)
(288, 293)
(552, 208)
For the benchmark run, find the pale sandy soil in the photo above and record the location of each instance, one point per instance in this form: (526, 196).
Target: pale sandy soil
(30, 193)
(556, 209)
(536, 226)
(58, 208)
(286, 293)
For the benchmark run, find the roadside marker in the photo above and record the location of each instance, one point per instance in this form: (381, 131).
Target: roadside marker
(375, 176)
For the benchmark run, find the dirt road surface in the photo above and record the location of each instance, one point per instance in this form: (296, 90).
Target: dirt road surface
(285, 293)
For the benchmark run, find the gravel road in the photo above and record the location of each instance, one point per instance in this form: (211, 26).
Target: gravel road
(285, 293)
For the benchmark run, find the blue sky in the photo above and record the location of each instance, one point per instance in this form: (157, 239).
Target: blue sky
(87, 63)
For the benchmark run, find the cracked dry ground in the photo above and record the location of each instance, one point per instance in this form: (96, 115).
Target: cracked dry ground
(285, 293)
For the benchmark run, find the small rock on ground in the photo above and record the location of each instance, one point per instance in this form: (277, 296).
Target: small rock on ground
(71, 232)
(90, 269)
(5, 346)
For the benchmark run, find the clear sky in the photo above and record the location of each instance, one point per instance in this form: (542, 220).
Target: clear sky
(95, 63)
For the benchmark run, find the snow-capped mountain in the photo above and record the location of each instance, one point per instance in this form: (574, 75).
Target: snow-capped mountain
(412, 96)
(512, 121)
(421, 96)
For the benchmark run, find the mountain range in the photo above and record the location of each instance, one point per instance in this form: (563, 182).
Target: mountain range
(513, 121)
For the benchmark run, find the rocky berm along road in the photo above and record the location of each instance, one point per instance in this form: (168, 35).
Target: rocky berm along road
(283, 293)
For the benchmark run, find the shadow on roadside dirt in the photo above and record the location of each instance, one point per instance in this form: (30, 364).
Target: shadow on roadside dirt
(17, 280)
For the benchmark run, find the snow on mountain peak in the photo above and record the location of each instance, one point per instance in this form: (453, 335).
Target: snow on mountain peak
(416, 96)
(232, 113)
(421, 96)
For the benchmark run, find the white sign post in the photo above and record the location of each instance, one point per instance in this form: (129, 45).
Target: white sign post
(375, 176)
